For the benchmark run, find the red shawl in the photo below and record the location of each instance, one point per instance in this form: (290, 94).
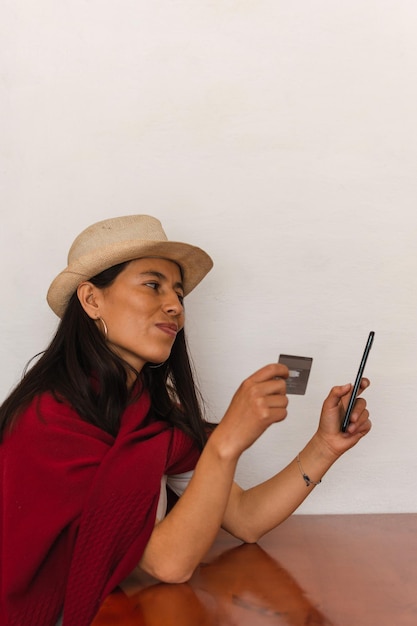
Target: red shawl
(78, 507)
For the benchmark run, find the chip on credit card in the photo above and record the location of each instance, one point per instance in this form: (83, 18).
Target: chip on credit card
(299, 371)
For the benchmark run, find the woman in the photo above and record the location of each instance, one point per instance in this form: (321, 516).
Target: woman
(110, 410)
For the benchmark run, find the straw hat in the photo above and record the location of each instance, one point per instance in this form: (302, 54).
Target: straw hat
(121, 239)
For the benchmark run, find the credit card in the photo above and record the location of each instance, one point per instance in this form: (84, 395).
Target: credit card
(299, 367)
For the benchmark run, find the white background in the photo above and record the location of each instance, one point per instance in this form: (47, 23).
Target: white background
(279, 136)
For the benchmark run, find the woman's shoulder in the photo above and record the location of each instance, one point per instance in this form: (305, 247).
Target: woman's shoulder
(54, 416)
(49, 406)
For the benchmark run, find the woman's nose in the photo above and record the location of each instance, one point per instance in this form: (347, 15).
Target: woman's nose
(173, 305)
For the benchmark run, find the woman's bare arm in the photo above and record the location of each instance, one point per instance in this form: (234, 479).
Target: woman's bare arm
(252, 513)
(181, 539)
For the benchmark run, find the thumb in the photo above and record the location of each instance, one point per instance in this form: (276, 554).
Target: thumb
(336, 394)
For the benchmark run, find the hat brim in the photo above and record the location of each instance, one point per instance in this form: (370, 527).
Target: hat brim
(193, 261)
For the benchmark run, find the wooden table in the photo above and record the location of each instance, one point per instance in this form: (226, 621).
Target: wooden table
(327, 570)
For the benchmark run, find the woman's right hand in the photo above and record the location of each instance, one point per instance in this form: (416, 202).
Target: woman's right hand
(259, 402)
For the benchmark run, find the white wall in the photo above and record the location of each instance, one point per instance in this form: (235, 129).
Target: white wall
(281, 137)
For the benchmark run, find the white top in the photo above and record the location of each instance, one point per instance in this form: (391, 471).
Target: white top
(178, 484)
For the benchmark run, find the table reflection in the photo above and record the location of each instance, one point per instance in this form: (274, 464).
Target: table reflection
(243, 586)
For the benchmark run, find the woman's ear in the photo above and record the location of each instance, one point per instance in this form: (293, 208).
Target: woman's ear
(88, 295)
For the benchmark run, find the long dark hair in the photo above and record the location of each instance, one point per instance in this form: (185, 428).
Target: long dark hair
(78, 367)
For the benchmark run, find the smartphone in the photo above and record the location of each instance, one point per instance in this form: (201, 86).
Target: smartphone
(359, 375)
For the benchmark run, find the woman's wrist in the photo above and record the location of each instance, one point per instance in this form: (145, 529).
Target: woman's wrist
(221, 447)
(317, 454)
(322, 449)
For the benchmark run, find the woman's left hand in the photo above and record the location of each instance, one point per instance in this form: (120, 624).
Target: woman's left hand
(333, 411)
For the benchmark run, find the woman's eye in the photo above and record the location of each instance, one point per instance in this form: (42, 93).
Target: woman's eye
(152, 285)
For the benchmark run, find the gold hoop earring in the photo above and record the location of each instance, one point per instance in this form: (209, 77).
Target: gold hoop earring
(105, 331)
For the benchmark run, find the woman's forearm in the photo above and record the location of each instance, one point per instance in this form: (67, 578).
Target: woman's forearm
(254, 512)
(181, 539)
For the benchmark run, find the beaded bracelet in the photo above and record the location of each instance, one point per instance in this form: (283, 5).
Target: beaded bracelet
(307, 478)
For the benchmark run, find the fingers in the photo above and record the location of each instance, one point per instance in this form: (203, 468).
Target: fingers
(259, 402)
(360, 414)
(268, 372)
(336, 394)
(267, 398)
(335, 405)
(365, 382)
(359, 419)
(341, 392)
(360, 427)
(267, 387)
(263, 394)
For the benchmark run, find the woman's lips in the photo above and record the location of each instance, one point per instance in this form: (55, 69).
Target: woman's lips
(169, 329)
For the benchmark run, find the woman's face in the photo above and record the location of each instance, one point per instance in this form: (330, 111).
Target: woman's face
(143, 310)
